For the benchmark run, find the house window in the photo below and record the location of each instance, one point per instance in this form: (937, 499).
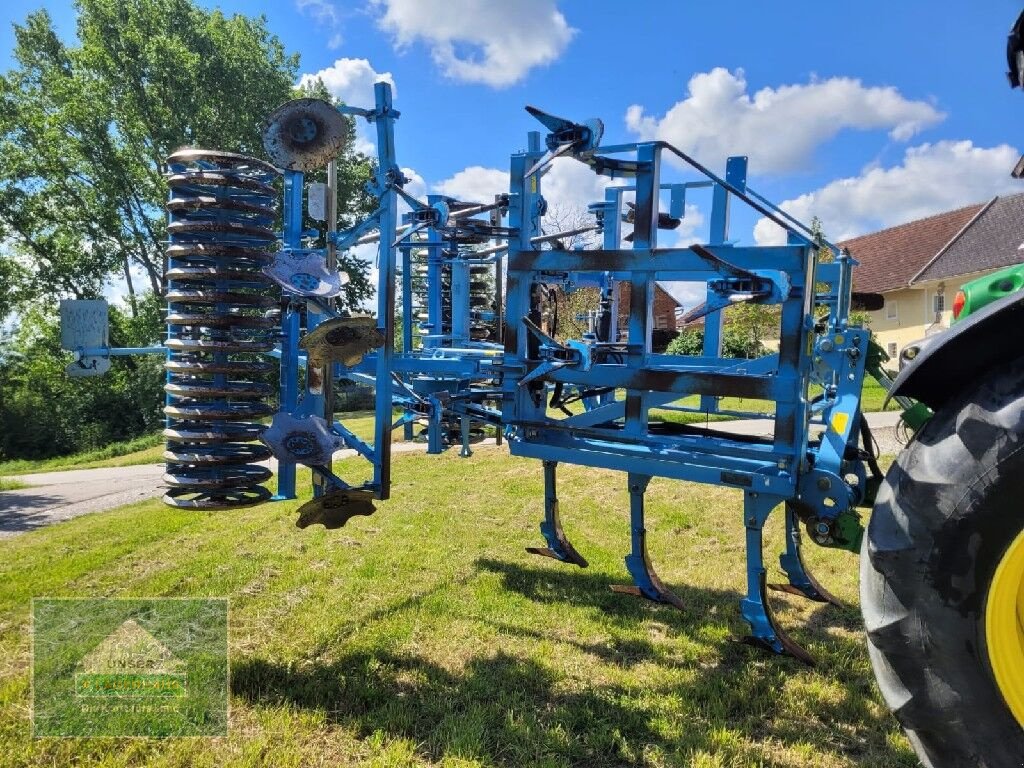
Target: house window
(890, 348)
(661, 322)
(891, 310)
(939, 303)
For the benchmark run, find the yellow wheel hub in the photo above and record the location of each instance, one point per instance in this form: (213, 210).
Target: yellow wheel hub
(1004, 627)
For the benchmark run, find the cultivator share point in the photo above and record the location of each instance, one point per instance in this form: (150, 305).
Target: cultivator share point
(476, 288)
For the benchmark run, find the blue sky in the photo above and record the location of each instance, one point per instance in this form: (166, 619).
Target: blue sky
(866, 114)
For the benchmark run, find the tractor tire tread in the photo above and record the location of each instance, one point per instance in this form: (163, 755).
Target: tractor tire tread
(914, 577)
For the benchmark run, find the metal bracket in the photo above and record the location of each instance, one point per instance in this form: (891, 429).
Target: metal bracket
(307, 440)
(304, 273)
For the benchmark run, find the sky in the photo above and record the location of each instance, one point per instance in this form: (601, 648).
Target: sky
(865, 114)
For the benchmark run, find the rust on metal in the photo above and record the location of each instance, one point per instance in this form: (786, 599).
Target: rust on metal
(344, 340)
(304, 134)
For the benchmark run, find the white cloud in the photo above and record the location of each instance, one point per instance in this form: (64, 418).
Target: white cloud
(687, 233)
(474, 184)
(416, 186)
(571, 184)
(350, 80)
(480, 41)
(568, 184)
(115, 289)
(326, 14)
(931, 179)
(687, 294)
(780, 127)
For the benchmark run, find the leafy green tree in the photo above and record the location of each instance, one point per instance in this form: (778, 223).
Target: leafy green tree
(750, 324)
(44, 413)
(85, 128)
(736, 342)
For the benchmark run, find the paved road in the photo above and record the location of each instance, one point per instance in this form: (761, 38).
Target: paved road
(56, 496)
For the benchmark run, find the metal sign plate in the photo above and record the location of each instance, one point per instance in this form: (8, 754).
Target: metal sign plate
(84, 325)
(316, 201)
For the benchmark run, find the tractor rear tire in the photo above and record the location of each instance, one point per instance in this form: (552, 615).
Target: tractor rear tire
(949, 512)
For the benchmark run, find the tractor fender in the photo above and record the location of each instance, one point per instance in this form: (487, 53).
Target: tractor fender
(947, 363)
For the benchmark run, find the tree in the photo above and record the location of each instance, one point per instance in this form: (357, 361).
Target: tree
(44, 413)
(752, 323)
(735, 343)
(564, 218)
(84, 130)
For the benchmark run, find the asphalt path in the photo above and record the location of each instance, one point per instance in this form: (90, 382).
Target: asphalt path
(55, 496)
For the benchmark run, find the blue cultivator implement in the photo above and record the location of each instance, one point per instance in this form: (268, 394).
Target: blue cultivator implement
(479, 346)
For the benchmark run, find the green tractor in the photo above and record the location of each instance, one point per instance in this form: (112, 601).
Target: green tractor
(942, 568)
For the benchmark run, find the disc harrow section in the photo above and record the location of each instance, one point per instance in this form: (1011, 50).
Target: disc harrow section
(221, 318)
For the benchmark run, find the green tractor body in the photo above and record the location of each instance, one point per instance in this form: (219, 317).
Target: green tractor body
(983, 291)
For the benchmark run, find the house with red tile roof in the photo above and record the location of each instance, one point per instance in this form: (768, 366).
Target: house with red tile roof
(919, 266)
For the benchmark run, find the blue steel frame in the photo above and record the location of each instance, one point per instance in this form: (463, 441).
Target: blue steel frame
(789, 468)
(306, 398)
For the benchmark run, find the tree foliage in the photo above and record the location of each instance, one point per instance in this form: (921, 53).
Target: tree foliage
(354, 202)
(85, 128)
(735, 343)
(45, 413)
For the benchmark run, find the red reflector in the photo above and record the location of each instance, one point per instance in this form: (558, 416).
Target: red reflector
(958, 304)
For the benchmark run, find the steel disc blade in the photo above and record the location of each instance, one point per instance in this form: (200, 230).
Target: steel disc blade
(304, 134)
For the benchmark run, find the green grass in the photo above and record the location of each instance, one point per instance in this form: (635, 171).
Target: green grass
(7, 484)
(425, 636)
(873, 395)
(147, 449)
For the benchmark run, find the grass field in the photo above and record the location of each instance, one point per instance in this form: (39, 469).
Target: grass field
(147, 449)
(424, 635)
(7, 484)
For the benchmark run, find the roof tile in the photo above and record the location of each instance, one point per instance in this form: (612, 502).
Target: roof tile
(888, 259)
(992, 241)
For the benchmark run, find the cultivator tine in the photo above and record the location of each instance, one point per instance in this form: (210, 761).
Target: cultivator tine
(559, 547)
(646, 582)
(765, 630)
(334, 509)
(801, 582)
(777, 641)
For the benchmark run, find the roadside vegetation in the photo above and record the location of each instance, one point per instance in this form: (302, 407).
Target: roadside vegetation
(147, 449)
